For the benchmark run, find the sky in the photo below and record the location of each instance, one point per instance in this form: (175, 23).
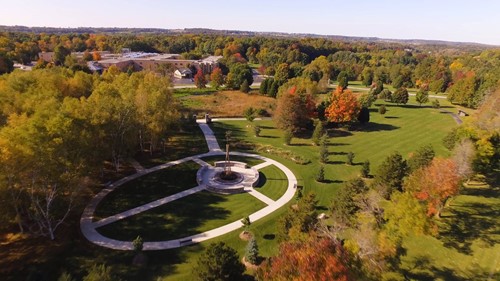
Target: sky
(450, 20)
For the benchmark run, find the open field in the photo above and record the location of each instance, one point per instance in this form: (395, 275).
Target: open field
(226, 103)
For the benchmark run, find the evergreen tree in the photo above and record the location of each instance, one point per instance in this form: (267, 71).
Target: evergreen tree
(264, 86)
(287, 137)
(252, 251)
(421, 158)
(343, 80)
(318, 133)
(320, 176)
(219, 262)
(382, 109)
(365, 170)
(390, 174)
(323, 152)
(256, 130)
(364, 115)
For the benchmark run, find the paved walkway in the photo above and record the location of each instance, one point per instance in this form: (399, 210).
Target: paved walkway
(210, 138)
(137, 166)
(453, 115)
(88, 227)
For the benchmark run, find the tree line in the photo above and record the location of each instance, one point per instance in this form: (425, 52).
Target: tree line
(466, 75)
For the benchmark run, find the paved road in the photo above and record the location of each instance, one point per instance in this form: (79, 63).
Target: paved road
(89, 228)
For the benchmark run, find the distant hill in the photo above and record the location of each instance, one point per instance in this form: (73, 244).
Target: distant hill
(118, 30)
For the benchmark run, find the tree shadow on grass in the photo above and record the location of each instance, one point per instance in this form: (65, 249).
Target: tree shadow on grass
(269, 137)
(332, 181)
(486, 192)
(423, 268)
(376, 127)
(177, 219)
(469, 222)
(335, 162)
(337, 153)
(391, 117)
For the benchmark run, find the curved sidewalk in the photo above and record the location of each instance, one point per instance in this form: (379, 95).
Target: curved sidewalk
(88, 227)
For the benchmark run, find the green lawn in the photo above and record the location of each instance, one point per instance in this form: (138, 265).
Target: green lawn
(148, 188)
(468, 244)
(272, 182)
(402, 128)
(187, 216)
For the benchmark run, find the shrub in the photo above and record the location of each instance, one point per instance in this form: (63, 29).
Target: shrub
(256, 130)
(382, 110)
(138, 244)
(350, 158)
(436, 104)
(323, 152)
(245, 87)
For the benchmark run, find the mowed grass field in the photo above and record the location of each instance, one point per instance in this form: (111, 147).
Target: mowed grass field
(402, 128)
(148, 188)
(187, 216)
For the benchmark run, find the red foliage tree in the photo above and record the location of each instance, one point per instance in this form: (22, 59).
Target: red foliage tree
(316, 259)
(199, 79)
(344, 106)
(434, 184)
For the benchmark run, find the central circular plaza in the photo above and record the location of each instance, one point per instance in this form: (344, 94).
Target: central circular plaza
(218, 180)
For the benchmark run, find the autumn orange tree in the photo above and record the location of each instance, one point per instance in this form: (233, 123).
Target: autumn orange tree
(293, 112)
(434, 184)
(216, 78)
(315, 259)
(344, 106)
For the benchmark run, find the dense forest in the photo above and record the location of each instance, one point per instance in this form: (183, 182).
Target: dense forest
(62, 128)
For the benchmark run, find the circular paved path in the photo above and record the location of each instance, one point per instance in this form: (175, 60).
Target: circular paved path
(89, 227)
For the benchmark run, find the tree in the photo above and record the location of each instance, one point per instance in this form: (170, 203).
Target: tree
(96, 56)
(367, 75)
(318, 133)
(343, 80)
(320, 176)
(400, 96)
(405, 216)
(252, 251)
(282, 73)
(219, 262)
(287, 137)
(345, 205)
(291, 113)
(421, 158)
(216, 78)
(296, 224)
(60, 54)
(350, 158)
(238, 73)
(245, 88)
(199, 79)
(378, 88)
(463, 156)
(249, 113)
(246, 223)
(366, 100)
(385, 94)
(434, 184)
(323, 152)
(264, 86)
(422, 97)
(344, 106)
(390, 174)
(364, 115)
(365, 170)
(313, 259)
(6, 64)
